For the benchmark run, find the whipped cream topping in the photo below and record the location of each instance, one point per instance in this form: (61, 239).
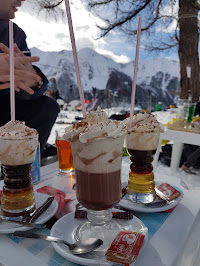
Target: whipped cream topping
(144, 134)
(17, 130)
(95, 125)
(144, 123)
(18, 144)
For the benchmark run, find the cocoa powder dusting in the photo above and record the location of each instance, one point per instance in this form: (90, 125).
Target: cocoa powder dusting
(80, 124)
(89, 161)
(115, 156)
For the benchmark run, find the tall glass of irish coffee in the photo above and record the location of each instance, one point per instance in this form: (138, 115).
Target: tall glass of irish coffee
(18, 149)
(97, 145)
(141, 142)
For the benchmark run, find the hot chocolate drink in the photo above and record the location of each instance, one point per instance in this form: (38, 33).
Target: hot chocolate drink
(98, 172)
(98, 191)
(97, 145)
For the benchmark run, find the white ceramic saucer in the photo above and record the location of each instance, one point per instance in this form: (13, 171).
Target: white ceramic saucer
(40, 198)
(128, 204)
(65, 228)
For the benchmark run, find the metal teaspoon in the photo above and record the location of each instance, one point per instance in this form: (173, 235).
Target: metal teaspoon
(79, 247)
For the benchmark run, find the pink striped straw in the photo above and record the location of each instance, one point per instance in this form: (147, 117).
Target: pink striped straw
(135, 73)
(75, 57)
(12, 82)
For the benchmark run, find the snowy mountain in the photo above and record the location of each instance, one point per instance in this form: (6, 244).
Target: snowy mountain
(112, 81)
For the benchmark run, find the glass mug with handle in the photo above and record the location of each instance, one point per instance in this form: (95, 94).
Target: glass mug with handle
(97, 145)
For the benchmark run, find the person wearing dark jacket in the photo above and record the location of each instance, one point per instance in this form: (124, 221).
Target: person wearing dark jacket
(31, 106)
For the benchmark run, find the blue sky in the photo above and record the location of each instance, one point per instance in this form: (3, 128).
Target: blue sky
(50, 35)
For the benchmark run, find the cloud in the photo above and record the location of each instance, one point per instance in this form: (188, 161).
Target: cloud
(60, 36)
(42, 34)
(50, 35)
(84, 43)
(169, 29)
(170, 10)
(119, 59)
(82, 28)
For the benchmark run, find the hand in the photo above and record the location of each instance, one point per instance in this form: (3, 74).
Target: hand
(25, 75)
(28, 66)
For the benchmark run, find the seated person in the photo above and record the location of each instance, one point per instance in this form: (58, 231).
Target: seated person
(31, 106)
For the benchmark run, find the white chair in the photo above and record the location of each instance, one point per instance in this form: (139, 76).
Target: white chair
(178, 138)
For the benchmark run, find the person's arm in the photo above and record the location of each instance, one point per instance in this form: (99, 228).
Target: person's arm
(41, 86)
(27, 77)
(43, 83)
(23, 47)
(22, 76)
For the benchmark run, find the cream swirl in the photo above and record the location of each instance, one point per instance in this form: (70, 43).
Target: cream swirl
(16, 130)
(18, 143)
(95, 125)
(144, 123)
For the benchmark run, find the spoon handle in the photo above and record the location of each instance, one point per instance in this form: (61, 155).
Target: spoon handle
(38, 236)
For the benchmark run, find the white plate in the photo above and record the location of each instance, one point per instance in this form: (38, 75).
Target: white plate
(128, 204)
(139, 207)
(65, 228)
(40, 198)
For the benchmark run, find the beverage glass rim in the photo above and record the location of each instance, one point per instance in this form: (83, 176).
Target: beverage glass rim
(59, 133)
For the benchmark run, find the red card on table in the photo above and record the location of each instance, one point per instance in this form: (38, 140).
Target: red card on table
(125, 247)
(64, 205)
(167, 192)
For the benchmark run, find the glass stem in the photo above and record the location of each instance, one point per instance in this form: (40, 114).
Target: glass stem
(99, 217)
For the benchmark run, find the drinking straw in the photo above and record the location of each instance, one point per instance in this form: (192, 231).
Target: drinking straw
(75, 57)
(135, 72)
(12, 83)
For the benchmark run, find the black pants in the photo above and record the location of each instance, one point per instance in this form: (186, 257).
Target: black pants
(39, 114)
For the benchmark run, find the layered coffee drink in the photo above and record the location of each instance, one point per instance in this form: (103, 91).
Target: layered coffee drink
(18, 146)
(97, 144)
(98, 174)
(141, 142)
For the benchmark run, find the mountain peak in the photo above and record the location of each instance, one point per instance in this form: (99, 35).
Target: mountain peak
(160, 76)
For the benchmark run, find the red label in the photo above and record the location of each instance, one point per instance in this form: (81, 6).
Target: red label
(125, 247)
(167, 192)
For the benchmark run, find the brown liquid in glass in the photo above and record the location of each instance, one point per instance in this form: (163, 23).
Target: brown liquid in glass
(18, 195)
(141, 177)
(98, 191)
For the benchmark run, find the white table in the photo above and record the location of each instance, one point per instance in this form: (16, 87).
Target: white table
(178, 138)
(162, 248)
